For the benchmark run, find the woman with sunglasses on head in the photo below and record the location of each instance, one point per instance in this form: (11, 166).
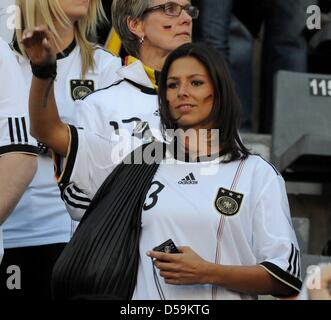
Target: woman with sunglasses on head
(149, 30)
(224, 208)
(40, 226)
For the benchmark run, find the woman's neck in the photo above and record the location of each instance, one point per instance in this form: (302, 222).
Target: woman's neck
(67, 36)
(199, 143)
(153, 58)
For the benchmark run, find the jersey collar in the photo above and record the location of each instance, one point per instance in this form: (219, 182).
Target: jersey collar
(65, 53)
(61, 55)
(152, 74)
(135, 74)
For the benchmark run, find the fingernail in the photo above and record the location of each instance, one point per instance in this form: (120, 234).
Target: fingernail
(148, 253)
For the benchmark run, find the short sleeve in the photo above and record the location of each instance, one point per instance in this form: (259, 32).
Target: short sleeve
(15, 137)
(14, 120)
(87, 163)
(274, 241)
(90, 159)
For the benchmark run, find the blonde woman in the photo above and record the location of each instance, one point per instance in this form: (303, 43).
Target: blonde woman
(39, 228)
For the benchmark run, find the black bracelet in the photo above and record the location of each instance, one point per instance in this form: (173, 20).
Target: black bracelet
(44, 72)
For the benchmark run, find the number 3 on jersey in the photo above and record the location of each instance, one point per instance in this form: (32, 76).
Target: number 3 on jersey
(158, 187)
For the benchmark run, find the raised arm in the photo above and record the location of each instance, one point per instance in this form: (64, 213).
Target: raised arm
(46, 125)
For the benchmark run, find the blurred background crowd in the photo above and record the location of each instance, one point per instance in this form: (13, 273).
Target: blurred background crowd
(260, 37)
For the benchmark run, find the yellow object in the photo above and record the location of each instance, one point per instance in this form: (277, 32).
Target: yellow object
(152, 74)
(113, 43)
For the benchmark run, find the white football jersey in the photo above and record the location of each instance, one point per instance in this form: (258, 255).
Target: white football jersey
(127, 106)
(14, 119)
(41, 217)
(229, 213)
(7, 19)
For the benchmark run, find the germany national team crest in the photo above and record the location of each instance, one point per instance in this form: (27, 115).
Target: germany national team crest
(81, 88)
(228, 202)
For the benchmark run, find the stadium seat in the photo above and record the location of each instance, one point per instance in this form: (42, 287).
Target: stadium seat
(301, 135)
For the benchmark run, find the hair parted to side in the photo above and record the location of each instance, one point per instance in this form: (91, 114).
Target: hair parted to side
(43, 12)
(226, 107)
(121, 11)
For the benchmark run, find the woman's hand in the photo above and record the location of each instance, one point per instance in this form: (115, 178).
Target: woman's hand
(185, 268)
(38, 43)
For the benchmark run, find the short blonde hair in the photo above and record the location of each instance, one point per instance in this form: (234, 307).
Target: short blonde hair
(121, 11)
(42, 12)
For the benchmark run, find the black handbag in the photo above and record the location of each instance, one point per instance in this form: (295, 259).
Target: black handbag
(101, 259)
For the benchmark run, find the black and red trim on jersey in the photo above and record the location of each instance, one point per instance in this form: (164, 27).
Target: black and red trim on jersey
(64, 175)
(18, 148)
(74, 197)
(70, 194)
(292, 281)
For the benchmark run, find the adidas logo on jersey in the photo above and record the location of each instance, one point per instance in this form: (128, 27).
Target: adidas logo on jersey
(190, 179)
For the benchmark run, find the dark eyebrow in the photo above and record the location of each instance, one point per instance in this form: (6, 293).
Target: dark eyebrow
(191, 76)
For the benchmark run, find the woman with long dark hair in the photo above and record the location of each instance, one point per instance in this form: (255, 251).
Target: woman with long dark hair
(225, 209)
